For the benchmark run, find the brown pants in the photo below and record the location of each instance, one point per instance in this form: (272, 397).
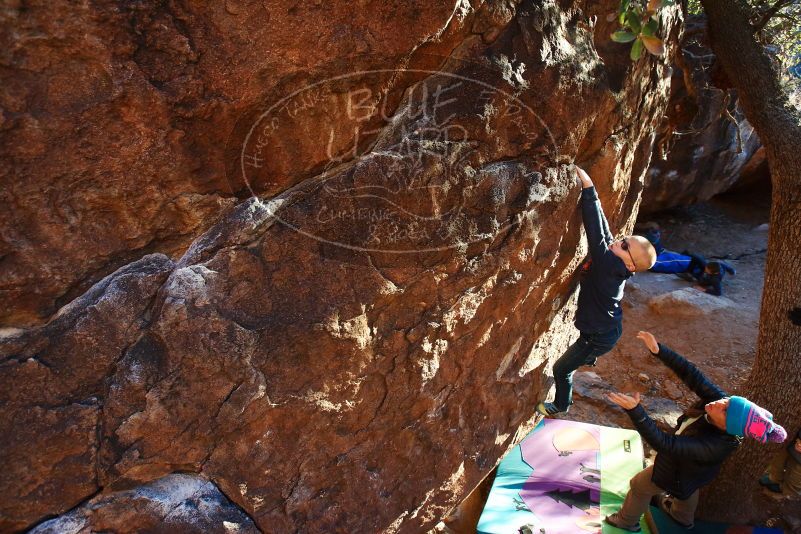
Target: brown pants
(786, 471)
(639, 496)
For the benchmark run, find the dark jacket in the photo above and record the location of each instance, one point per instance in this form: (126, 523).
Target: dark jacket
(602, 285)
(692, 459)
(709, 274)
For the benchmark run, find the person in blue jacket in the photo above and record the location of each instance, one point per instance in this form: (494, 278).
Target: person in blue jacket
(708, 274)
(598, 315)
(691, 456)
(667, 261)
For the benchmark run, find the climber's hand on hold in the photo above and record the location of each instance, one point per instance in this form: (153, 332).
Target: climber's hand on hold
(649, 340)
(583, 177)
(627, 402)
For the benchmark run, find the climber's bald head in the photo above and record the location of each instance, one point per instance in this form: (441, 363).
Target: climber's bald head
(636, 252)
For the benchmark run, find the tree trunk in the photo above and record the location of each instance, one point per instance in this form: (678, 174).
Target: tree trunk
(775, 380)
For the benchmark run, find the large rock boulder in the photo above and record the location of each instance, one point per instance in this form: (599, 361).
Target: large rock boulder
(688, 302)
(354, 349)
(706, 146)
(115, 118)
(175, 503)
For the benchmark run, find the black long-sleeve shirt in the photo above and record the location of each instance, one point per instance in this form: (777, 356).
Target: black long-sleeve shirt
(692, 459)
(601, 288)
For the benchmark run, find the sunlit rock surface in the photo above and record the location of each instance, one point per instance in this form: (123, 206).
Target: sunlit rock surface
(353, 350)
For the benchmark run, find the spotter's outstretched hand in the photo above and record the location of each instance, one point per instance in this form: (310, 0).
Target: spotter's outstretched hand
(627, 402)
(649, 340)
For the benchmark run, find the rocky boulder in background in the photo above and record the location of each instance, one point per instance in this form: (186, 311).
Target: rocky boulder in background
(699, 138)
(688, 302)
(355, 348)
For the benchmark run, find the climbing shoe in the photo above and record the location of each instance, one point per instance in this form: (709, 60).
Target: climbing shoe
(548, 409)
(614, 520)
(665, 504)
(769, 484)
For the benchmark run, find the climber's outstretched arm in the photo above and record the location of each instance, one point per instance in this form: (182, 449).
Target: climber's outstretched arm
(598, 235)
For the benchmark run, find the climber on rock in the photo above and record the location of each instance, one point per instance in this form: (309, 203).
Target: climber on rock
(690, 457)
(599, 315)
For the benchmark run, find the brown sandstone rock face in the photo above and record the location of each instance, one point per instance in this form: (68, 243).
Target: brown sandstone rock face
(114, 118)
(703, 156)
(355, 350)
(53, 386)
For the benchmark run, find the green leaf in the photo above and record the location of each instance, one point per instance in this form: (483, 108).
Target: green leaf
(622, 36)
(636, 49)
(654, 45)
(633, 22)
(650, 27)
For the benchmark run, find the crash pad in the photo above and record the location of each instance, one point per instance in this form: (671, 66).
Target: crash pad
(563, 478)
(665, 525)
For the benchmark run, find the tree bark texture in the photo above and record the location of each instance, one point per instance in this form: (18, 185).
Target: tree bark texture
(775, 380)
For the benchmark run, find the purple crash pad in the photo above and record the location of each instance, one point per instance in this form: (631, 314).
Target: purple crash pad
(565, 487)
